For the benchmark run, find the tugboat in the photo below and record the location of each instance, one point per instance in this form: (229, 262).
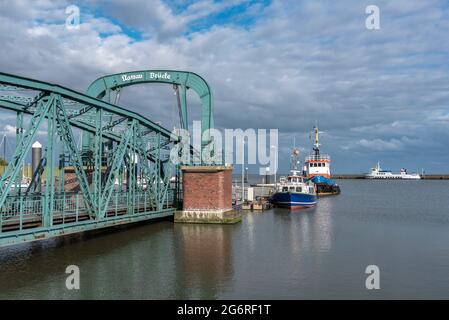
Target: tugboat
(317, 169)
(294, 192)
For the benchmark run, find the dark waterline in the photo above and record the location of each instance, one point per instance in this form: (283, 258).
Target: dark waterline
(401, 226)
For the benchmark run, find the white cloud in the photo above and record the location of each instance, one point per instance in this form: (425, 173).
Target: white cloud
(9, 131)
(381, 145)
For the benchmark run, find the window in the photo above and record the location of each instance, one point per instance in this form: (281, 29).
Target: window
(292, 188)
(284, 189)
(298, 189)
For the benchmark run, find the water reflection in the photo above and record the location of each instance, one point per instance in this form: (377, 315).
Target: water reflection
(309, 229)
(274, 254)
(205, 259)
(322, 225)
(251, 232)
(114, 264)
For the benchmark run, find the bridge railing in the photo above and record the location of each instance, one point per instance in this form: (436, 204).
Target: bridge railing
(20, 211)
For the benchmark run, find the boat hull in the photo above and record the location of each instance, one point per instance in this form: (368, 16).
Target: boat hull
(323, 189)
(325, 186)
(393, 177)
(293, 200)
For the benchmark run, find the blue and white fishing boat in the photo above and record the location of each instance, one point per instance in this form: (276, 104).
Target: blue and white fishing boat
(294, 192)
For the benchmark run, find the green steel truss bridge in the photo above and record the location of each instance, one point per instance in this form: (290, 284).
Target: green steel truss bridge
(101, 165)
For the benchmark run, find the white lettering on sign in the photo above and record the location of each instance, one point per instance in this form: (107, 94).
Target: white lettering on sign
(153, 75)
(126, 77)
(160, 75)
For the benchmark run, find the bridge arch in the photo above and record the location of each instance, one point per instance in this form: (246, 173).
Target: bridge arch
(102, 88)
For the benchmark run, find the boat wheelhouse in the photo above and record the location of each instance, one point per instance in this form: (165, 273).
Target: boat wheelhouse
(294, 191)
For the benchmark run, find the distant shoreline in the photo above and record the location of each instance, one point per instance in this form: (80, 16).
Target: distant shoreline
(362, 176)
(355, 176)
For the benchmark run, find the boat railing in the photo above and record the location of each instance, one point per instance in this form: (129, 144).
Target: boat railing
(320, 157)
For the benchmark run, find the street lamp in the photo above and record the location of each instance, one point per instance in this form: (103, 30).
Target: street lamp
(275, 164)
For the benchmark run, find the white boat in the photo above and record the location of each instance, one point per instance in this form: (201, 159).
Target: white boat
(378, 173)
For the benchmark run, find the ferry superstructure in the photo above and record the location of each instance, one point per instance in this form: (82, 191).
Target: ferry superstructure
(317, 169)
(378, 173)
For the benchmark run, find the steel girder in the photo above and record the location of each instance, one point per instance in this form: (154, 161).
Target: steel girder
(82, 99)
(23, 147)
(58, 111)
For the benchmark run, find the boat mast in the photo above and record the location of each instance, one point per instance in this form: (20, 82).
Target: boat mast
(316, 145)
(294, 156)
(295, 159)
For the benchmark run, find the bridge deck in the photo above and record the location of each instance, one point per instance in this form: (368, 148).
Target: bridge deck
(28, 224)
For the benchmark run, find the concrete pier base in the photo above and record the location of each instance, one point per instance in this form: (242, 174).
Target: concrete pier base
(207, 195)
(199, 216)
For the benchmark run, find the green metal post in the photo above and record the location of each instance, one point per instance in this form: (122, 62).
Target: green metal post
(97, 159)
(183, 98)
(133, 174)
(158, 173)
(19, 137)
(50, 169)
(61, 178)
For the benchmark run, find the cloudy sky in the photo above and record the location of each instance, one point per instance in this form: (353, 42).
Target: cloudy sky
(378, 94)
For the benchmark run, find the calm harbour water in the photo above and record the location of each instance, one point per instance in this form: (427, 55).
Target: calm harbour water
(320, 253)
